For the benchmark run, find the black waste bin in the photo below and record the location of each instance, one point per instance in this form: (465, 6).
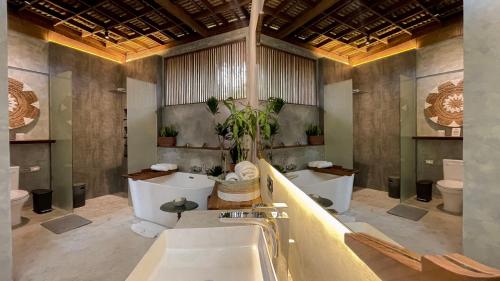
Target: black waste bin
(79, 195)
(424, 190)
(394, 187)
(42, 200)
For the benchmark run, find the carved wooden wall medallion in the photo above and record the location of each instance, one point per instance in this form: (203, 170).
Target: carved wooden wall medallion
(445, 104)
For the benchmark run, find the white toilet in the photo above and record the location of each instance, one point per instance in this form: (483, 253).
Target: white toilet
(17, 197)
(451, 187)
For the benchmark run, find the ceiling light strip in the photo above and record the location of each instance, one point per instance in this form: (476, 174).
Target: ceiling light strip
(401, 48)
(74, 44)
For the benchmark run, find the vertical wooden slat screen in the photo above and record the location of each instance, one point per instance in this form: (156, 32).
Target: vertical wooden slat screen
(218, 71)
(287, 76)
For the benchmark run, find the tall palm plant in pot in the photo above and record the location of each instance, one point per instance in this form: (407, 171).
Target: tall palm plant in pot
(268, 124)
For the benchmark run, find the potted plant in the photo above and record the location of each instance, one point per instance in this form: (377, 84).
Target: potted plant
(242, 126)
(168, 136)
(314, 135)
(268, 123)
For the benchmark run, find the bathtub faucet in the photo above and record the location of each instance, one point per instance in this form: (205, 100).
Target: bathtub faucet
(274, 220)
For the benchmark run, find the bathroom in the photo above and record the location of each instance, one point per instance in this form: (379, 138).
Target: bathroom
(131, 137)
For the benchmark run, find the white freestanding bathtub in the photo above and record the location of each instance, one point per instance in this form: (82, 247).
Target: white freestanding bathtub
(149, 195)
(336, 188)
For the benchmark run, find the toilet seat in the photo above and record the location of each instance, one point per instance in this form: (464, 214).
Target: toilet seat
(18, 195)
(451, 185)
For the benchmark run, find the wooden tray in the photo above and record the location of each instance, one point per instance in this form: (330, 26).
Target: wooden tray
(335, 170)
(147, 174)
(215, 203)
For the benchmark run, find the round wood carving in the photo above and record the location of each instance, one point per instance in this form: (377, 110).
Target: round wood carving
(24, 106)
(445, 104)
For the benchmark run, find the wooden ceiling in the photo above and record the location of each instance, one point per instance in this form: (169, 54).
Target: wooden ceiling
(346, 28)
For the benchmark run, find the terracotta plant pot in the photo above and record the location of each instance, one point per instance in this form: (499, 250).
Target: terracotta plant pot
(167, 141)
(231, 167)
(315, 140)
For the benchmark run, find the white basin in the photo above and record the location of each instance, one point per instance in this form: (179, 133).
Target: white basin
(218, 254)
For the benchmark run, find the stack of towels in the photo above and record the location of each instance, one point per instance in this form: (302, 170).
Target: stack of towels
(163, 167)
(320, 164)
(243, 171)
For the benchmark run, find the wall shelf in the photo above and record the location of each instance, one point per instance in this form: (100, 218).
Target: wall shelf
(31, 141)
(217, 148)
(194, 147)
(437, 138)
(294, 146)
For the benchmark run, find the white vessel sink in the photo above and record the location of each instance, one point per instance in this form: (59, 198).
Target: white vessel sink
(207, 254)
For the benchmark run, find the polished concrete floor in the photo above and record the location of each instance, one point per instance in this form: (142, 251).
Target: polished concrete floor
(106, 249)
(436, 233)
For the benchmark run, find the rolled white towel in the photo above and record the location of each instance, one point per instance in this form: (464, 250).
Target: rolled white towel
(163, 167)
(232, 177)
(246, 170)
(313, 164)
(320, 164)
(324, 164)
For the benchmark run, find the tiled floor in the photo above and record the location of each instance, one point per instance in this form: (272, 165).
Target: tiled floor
(106, 249)
(437, 232)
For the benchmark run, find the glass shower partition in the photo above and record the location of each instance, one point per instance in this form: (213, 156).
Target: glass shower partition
(61, 130)
(408, 127)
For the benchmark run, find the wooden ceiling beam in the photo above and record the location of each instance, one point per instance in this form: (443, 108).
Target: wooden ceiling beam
(209, 7)
(363, 3)
(306, 17)
(183, 16)
(221, 8)
(278, 10)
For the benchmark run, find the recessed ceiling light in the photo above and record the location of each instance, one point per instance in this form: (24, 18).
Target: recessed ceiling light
(106, 34)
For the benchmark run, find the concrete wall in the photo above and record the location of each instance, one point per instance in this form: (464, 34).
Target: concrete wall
(5, 230)
(481, 239)
(28, 58)
(436, 64)
(376, 118)
(196, 128)
(98, 143)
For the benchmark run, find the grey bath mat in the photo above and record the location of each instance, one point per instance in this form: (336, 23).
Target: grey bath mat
(65, 223)
(408, 212)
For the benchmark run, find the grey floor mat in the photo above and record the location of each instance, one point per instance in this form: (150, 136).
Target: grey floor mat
(408, 212)
(66, 223)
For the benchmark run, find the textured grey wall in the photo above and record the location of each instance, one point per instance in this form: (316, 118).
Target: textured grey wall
(436, 64)
(376, 118)
(98, 144)
(293, 121)
(196, 127)
(5, 230)
(28, 62)
(482, 131)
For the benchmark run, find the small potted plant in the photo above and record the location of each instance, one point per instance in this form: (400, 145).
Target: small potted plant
(167, 136)
(314, 135)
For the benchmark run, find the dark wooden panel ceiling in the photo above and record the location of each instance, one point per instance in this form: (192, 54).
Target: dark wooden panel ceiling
(348, 28)
(352, 27)
(131, 26)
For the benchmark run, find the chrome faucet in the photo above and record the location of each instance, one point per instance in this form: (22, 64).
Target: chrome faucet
(274, 220)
